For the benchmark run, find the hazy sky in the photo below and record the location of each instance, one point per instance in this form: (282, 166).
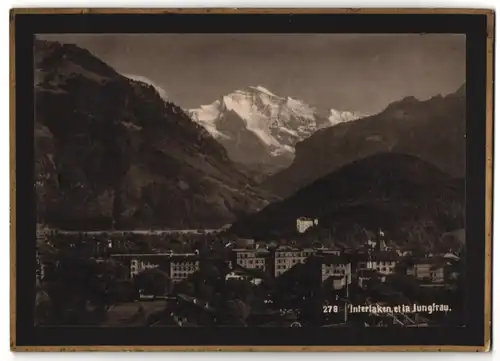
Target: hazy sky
(343, 71)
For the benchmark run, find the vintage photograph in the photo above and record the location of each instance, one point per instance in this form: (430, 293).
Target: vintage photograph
(251, 180)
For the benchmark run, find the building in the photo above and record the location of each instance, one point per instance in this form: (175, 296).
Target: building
(103, 248)
(182, 266)
(430, 269)
(402, 252)
(94, 247)
(437, 274)
(304, 223)
(339, 282)
(140, 263)
(244, 243)
(379, 244)
(287, 257)
(365, 275)
(336, 267)
(251, 258)
(118, 244)
(42, 233)
(238, 276)
(177, 266)
(333, 250)
(382, 262)
(262, 245)
(450, 256)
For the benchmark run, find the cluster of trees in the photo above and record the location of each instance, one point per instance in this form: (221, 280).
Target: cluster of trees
(80, 290)
(153, 282)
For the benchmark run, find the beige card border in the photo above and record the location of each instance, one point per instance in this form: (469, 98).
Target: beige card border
(486, 347)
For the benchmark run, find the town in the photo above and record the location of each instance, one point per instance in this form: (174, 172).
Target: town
(210, 278)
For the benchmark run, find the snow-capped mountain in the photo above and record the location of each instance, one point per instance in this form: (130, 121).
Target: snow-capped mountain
(260, 128)
(342, 116)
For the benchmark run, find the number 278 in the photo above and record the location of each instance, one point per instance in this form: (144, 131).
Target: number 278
(330, 309)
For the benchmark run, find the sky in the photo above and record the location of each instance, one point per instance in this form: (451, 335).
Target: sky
(356, 72)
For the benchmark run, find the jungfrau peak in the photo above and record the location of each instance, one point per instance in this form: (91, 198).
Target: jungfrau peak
(259, 128)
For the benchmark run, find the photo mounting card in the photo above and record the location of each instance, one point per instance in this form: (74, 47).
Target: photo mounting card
(253, 180)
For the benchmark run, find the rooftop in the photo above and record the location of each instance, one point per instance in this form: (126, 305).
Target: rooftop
(157, 255)
(243, 249)
(433, 261)
(380, 256)
(292, 249)
(332, 259)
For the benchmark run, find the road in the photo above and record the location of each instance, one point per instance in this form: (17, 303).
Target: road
(144, 232)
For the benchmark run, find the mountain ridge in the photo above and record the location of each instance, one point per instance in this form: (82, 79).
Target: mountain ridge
(111, 153)
(433, 130)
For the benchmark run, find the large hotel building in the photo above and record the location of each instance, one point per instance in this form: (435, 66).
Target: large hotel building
(177, 266)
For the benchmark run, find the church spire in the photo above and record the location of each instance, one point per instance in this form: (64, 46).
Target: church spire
(380, 240)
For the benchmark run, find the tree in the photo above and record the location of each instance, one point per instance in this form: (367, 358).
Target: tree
(77, 286)
(209, 272)
(112, 270)
(204, 291)
(237, 311)
(240, 289)
(405, 284)
(176, 245)
(185, 287)
(42, 307)
(122, 291)
(153, 282)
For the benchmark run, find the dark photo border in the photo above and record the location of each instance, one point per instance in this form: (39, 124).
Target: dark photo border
(477, 25)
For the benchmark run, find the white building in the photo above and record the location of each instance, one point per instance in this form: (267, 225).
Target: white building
(182, 267)
(287, 257)
(251, 258)
(304, 223)
(431, 269)
(138, 265)
(337, 267)
(178, 266)
(234, 276)
(451, 256)
(382, 262)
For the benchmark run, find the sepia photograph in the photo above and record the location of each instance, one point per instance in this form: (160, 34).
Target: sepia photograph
(257, 180)
(251, 181)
